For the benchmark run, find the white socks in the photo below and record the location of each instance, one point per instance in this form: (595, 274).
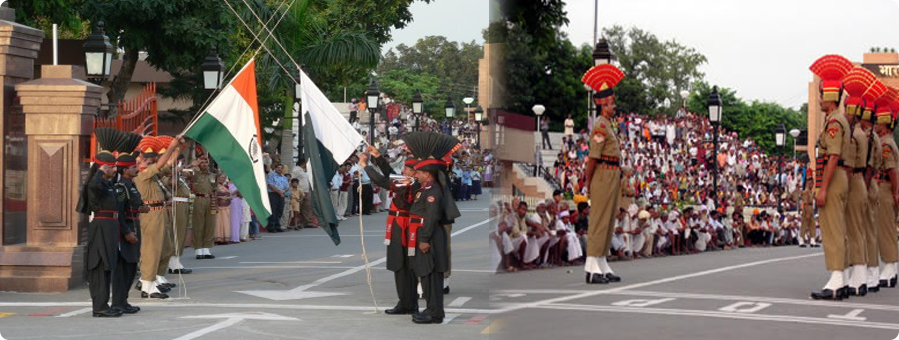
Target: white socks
(175, 262)
(420, 291)
(445, 282)
(148, 287)
(859, 276)
(199, 252)
(836, 280)
(873, 275)
(161, 279)
(591, 265)
(605, 266)
(889, 271)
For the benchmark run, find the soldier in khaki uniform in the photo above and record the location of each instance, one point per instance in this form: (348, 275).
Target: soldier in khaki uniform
(807, 234)
(832, 175)
(203, 181)
(875, 161)
(888, 181)
(154, 222)
(181, 202)
(856, 153)
(603, 174)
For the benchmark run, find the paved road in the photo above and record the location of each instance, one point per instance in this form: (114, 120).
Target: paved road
(754, 293)
(293, 285)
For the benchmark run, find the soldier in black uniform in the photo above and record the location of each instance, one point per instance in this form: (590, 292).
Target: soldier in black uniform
(103, 232)
(433, 206)
(399, 250)
(131, 206)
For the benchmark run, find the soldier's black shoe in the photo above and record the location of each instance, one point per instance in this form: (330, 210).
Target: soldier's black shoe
(128, 309)
(446, 290)
(612, 277)
(180, 271)
(860, 291)
(844, 291)
(802, 245)
(598, 279)
(108, 313)
(893, 281)
(874, 289)
(208, 256)
(137, 286)
(154, 295)
(828, 294)
(168, 285)
(425, 318)
(883, 284)
(400, 311)
(163, 289)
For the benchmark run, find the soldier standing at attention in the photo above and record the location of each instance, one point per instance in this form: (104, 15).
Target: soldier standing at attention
(832, 175)
(129, 217)
(181, 201)
(603, 175)
(202, 182)
(888, 180)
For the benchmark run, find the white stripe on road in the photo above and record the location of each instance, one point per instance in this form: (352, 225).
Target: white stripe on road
(820, 303)
(239, 306)
(75, 312)
(449, 317)
(328, 267)
(296, 262)
(724, 315)
(224, 324)
(651, 283)
(459, 301)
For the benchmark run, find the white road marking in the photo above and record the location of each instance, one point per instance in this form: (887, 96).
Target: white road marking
(225, 257)
(327, 267)
(448, 317)
(295, 262)
(231, 320)
(723, 315)
(821, 303)
(344, 256)
(459, 301)
(853, 315)
(239, 306)
(300, 292)
(75, 312)
(745, 307)
(651, 283)
(641, 302)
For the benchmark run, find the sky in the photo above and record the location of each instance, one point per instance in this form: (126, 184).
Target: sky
(760, 48)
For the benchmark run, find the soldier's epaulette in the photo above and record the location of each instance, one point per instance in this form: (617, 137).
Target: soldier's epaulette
(599, 131)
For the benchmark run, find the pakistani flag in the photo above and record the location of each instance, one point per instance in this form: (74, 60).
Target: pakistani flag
(328, 139)
(229, 130)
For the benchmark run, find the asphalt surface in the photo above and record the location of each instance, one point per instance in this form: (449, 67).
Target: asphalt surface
(292, 285)
(755, 293)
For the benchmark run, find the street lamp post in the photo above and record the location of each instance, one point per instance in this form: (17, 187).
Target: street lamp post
(298, 106)
(538, 111)
(212, 68)
(372, 98)
(478, 116)
(684, 94)
(779, 138)
(449, 109)
(714, 104)
(795, 133)
(98, 56)
(467, 101)
(602, 54)
(417, 104)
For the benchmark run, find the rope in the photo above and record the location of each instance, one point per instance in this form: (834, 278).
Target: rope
(364, 253)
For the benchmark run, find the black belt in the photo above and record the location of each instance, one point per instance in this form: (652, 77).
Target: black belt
(858, 170)
(155, 205)
(398, 213)
(201, 195)
(416, 220)
(609, 163)
(106, 214)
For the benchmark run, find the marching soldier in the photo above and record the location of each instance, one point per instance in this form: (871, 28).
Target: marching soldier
(875, 161)
(181, 201)
(400, 251)
(432, 207)
(831, 175)
(855, 159)
(99, 198)
(807, 234)
(132, 205)
(888, 180)
(202, 185)
(603, 174)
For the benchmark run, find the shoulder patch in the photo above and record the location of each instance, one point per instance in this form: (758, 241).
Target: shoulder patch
(431, 199)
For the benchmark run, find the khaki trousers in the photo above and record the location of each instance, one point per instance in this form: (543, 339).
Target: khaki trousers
(886, 225)
(856, 218)
(604, 194)
(152, 233)
(833, 222)
(203, 223)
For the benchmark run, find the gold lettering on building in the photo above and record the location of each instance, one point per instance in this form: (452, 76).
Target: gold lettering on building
(889, 70)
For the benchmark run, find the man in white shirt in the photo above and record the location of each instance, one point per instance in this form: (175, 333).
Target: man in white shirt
(633, 234)
(538, 235)
(619, 246)
(570, 243)
(336, 198)
(307, 216)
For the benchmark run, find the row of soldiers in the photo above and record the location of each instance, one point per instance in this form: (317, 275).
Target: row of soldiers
(857, 187)
(139, 201)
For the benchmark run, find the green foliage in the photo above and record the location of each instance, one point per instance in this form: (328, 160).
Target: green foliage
(42, 14)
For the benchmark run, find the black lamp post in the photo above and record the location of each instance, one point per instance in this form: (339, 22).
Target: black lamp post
(298, 106)
(602, 54)
(715, 118)
(417, 104)
(212, 68)
(478, 116)
(372, 96)
(449, 108)
(779, 139)
(538, 111)
(98, 57)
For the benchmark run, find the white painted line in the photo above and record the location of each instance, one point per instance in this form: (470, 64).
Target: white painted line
(295, 262)
(651, 283)
(853, 315)
(819, 303)
(641, 302)
(326, 267)
(745, 307)
(459, 301)
(297, 293)
(210, 329)
(75, 312)
(448, 317)
(344, 256)
(723, 315)
(239, 306)
(540, 291)
(225, 257)
(250, 315)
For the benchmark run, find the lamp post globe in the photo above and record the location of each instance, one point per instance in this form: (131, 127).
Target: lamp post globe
(602, 54)
(212, 69)
(98, 54)
(449, 108)
(372, 98)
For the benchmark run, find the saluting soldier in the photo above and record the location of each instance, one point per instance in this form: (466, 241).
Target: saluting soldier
(432, 207)
(603, 174)
(855, 159)
(202, 181)
(181, 202)
(832, 175)
(168, 238)
(400, 252)
(888, 179)
(100, 199)
(131, 206)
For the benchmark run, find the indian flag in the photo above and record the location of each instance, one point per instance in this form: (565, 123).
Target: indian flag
(229, 130)
(328, 139)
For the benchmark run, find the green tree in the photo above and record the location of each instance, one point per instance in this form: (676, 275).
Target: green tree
(42, 14)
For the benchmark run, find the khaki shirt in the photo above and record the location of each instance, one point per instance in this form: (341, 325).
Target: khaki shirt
(603, 141)
(203, 182)
(834, 139)
(889, 152)
(147, 183)
(858, 149)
